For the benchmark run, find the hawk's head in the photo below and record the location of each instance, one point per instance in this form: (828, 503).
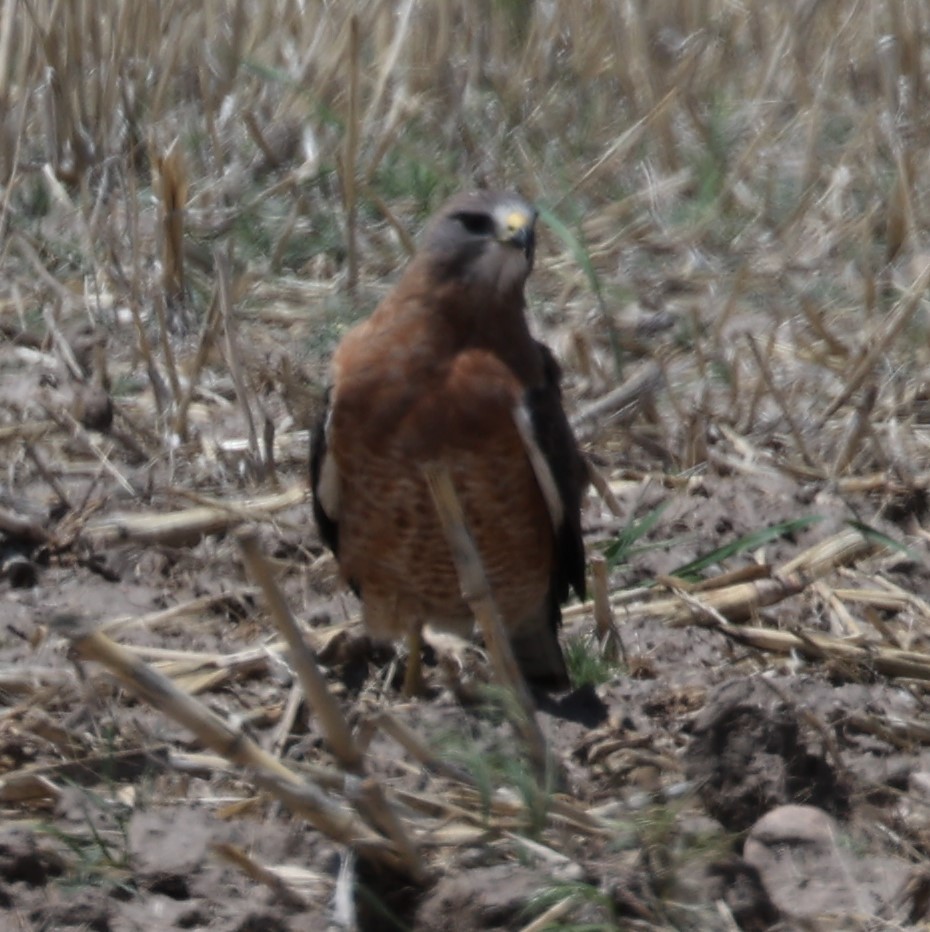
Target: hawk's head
(484, 238)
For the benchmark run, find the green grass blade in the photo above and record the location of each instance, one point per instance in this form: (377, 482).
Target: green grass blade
(691, 571)
(878, 537)
(620, 549)
(574, 245)
(583, 257)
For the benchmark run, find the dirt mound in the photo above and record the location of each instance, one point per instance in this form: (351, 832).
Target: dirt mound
(752, 751)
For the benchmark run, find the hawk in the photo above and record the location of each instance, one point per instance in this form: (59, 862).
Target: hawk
(446, 370)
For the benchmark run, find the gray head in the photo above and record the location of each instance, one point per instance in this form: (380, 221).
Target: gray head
(485, 239)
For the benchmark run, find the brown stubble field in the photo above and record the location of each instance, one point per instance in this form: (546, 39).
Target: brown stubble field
(196, 201)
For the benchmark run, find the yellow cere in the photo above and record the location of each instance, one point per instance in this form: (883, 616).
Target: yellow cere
(516, 220)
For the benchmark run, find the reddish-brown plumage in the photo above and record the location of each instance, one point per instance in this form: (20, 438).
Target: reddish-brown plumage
(437, 374)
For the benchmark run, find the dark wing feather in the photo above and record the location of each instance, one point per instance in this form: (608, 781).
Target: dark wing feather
(328, 527)
(557, 442)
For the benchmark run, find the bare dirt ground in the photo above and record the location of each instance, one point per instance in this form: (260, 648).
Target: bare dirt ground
(732, 270)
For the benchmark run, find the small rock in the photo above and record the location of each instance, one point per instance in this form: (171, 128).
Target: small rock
(918, 783)
(795, 825)
(805, 871)
(160, 912)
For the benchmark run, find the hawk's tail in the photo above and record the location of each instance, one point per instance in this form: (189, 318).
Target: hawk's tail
(538, 653)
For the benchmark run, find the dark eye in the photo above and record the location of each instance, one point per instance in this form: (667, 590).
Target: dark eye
(476, 224)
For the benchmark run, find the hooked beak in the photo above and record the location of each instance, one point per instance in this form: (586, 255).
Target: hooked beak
(519, 229)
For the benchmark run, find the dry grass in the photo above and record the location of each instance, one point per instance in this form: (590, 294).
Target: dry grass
(737, 232)
(707, 160)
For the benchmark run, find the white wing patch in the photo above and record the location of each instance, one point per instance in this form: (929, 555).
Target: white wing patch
(544, 477)
(327, 489)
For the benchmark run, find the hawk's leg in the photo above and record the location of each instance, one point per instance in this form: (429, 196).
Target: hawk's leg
(414, 684)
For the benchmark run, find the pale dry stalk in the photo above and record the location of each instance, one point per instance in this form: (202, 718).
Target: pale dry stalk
(477, 593)
(232, 743)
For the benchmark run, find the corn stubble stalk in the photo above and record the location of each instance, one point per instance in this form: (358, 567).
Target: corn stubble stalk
(233, 352)
(738, 596)
(208, 336)
(880, 339)
(336, 729)
(231, 743)
(297, 791)
(350, 157)
(171, 176)
(261, 874)
(607, 635)
(878, 658)
(189, 525)
(724, 609)
(477, 593)
(366, 793)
